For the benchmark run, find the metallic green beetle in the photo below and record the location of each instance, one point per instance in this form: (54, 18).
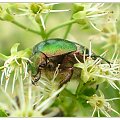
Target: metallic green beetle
(49, 53)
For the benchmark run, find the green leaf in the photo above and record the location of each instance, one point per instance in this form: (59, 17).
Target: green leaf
(3, 113)
(14, 48)
(3, 57)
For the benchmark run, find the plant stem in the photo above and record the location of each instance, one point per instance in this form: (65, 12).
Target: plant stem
(80, 85)
(84, 97)
(68, 30)
(43, 33)
(68, 93)
(59, 26)
(25, 28)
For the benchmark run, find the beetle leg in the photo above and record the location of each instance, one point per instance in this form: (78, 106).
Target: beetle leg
(67, 78)
(36, 77)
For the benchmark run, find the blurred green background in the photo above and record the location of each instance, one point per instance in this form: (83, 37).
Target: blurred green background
(11, 33)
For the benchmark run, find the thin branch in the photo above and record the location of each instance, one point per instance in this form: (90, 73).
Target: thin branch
(60, 26)
(23, 27)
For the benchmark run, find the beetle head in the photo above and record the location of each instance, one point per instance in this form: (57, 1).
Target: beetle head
(38, 62)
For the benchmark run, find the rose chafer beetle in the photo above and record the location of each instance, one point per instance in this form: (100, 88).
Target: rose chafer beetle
(50, 53)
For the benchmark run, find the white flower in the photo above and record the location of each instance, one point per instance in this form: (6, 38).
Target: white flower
(34, 10)
(17, 63)
(100, 104)
(96, 14)
(100, 72)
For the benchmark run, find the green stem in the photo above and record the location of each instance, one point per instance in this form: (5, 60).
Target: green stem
(59, 26)
(68, 93)
(25, 28)
(68, 29)
(84, 97)
(80, 86)
(43, 32)
(46, 17)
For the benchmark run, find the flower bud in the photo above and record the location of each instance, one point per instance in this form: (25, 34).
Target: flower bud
(36, 8)
(77, 7)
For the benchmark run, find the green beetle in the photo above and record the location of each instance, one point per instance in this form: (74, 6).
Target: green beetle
(50, 53)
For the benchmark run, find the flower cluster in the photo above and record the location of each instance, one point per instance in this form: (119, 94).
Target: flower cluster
(94, 73)
(15, 63)
(87, 13)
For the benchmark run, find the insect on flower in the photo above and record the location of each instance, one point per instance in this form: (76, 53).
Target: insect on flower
(47, 55)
